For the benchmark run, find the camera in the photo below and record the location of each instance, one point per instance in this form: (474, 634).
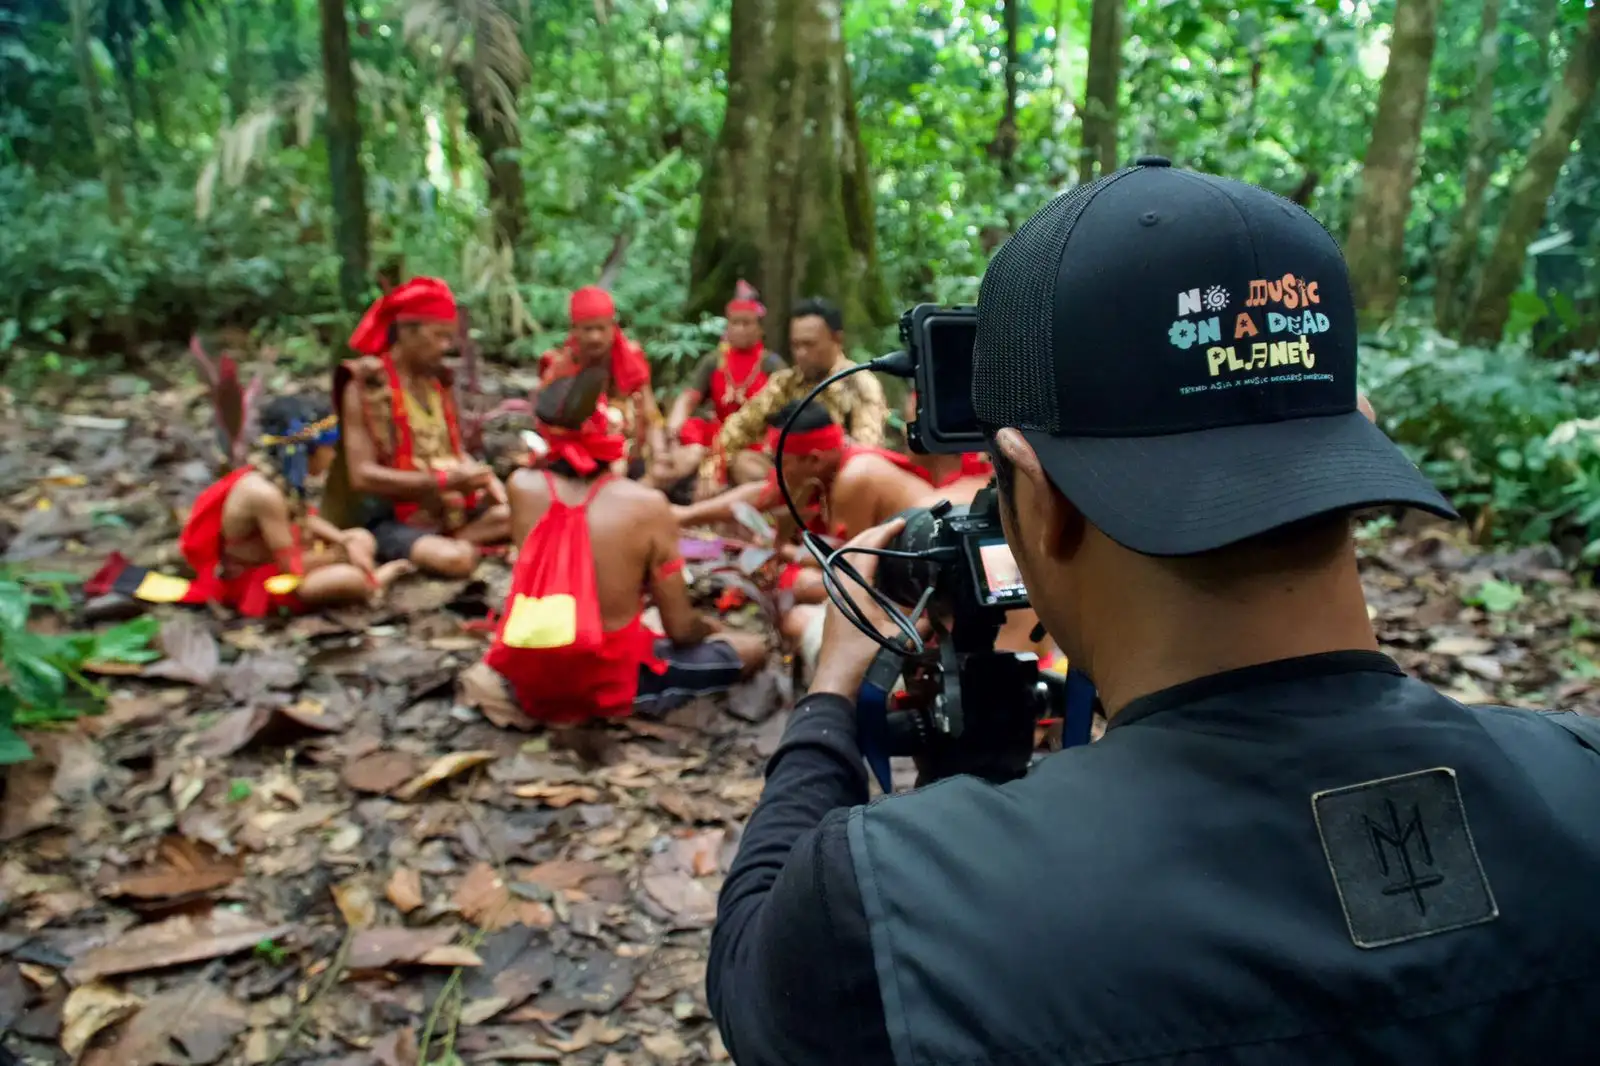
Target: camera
(939, 342)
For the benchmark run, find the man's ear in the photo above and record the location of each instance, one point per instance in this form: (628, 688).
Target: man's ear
(1053, 526)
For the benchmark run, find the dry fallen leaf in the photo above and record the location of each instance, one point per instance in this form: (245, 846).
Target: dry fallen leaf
(200, 1018)
(268, 827)
(380, 771)
(485, 900)
(375, 949)
(355, 903)
(396, 1048)
(191, 652)
(177, 940)
(89, 1009)
(665, 1045)
(181, 868)
(559, 874)
(553, 795)
(593, 1030)
(264, 725)
(444, 767)
(30, 801)
(404, 889)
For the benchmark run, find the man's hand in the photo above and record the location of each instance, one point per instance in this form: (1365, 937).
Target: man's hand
(470, 475)
(358, 549)
(496, 490)
(846, 651)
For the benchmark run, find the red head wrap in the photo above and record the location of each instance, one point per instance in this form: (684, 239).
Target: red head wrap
(418, 300)
(591, 302)
(828, 438)
(586, 449)
(745, 300)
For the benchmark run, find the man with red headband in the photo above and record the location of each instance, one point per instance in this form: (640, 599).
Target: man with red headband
(408, 477)
(572, 642)
(728, 378)
(597, 341)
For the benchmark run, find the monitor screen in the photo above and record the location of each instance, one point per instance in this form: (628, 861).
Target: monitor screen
(1002, 579)
(950, 342)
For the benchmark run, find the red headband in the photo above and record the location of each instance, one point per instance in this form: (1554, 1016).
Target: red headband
(591, 302)
(418, 300)
(829, 438)
(586, 449)
(746, 301)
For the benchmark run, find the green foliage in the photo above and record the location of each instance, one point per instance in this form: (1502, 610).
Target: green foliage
(1508, 437)
(1495, 596)
(41, 674)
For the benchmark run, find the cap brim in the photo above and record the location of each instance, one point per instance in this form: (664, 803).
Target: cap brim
(1188, 493)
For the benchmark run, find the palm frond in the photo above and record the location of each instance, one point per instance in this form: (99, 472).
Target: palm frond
(479, 40)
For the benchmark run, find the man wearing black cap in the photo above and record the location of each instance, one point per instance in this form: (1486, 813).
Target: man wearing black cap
(1283, 850)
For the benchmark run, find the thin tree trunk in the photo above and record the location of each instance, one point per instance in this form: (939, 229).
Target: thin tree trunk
(452, 139)
(499, 141)
(1570, 101)
(1457, 261)
(786, 200)
(1058, 71)
(236, 31)
(1375, 247)
(1004, 146)
(287, 63)
(1102, 85)
(93, 107)
(345, 174)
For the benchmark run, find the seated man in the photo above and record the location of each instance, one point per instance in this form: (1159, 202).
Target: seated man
(728, 377)
(572, 642)
(816, 343)
(405, 475)
(597, 341)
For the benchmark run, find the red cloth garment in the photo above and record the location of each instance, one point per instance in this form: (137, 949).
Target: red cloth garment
(973, 464)
(418, 300)
(738, 377)
(746, 300)
(590, 302)
(404, 457)
(550, 647)
(810, 442)
(699, 431)
(630, 370)
(203, 547)
(586, 449)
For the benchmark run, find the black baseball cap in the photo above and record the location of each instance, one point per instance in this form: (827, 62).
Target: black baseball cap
(1180, 351)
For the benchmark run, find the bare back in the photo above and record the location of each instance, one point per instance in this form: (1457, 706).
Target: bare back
(631, 533)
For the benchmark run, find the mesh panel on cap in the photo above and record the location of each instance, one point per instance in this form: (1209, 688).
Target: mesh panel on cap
(1014, 364)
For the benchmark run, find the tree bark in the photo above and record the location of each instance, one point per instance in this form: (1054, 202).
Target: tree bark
(93, 108)
(1570, 101)
(786, 199)
(236, 30)
(1457, 261)
(287, 63)
(1004, 146)
(345, 174)
(1103, 82)
(1375, 246)
(498, 141)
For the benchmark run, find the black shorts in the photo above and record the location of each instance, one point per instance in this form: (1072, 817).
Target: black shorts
(696, 670)
(396, 539)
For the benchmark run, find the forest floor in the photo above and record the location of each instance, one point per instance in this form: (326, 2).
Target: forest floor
(285, 842)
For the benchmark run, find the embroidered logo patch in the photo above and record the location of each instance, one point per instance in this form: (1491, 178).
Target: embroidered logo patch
(1402, 857)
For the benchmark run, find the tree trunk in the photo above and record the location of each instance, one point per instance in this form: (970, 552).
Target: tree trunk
(786, 200)
(1530, 192)
(1004, 146)
(1102, 85)
(287, 63)
(345, 174)
(236, 31)
(93, 108)
(499, 141)
(1375, 247)
(1457, 261)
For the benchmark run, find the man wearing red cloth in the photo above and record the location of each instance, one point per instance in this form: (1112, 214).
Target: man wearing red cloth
(728, 378)
(597, 341)
(572, 643)
(422, 497)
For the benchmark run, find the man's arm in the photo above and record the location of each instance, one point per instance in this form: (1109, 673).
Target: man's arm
(682, 623)
(749, 423)
(790, 978)
(870, 414)
(870, 490)
(719, 508)
(693, 393)
(271, 512)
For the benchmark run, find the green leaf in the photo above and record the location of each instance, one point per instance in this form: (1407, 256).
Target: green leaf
(51, 577)
(13, 749)
(13, 605)
(127, 643)
(1496, 596)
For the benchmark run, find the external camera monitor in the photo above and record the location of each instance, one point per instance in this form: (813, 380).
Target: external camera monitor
(940, 340)
(995, 573)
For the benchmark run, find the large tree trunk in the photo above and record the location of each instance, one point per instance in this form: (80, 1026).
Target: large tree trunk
(1530, 192)
(94, 108)
(1103, 83)
(1376, 243)
(1457, 261)
(287, 62)
(786, 200)
(1004, 146)
(345, 174)
(498, 141)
